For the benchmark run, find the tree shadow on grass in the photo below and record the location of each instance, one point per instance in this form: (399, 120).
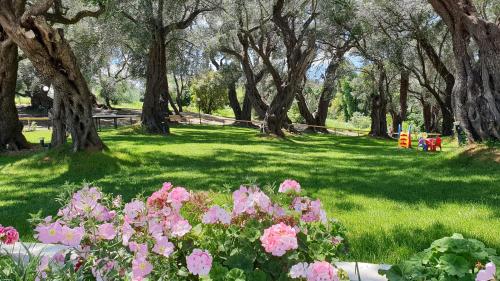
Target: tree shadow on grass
(33, 194)
(337, 166)
(404, 241)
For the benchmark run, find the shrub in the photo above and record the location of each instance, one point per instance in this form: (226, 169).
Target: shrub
(177, 235)
(209, 92)
(360, 121)
(449, 258)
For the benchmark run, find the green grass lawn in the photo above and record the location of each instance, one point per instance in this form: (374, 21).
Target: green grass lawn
(394, 202)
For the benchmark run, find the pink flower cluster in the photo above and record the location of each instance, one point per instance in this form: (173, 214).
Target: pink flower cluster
(107, 231)
(250, 200)
(216, 215)
(161, 219)
(289, 186)
(157, 220)
(59, 233)
(159, 198)
(160, 216)
(8, 235)
(199, 262)
(278, 239)
(148, 229)
(163, 247)
(318, 271)
(141, 267)
(311, 210)
(85, 204)
(488, 273)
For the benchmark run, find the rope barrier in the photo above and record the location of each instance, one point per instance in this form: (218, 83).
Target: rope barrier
(176, 118)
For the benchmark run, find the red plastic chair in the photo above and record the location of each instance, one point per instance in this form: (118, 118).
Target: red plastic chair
(437, 144)
(430, 144)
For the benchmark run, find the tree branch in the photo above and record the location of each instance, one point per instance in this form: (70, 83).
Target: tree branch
(39, 8)
(186, 22)
(130, 17)
(60, 18)
(232, 53)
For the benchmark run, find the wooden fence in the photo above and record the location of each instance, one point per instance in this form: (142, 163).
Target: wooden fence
(224, 122)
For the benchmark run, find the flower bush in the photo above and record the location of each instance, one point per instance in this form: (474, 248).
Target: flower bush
(8, 235)
(449, 258)
(175, 234)
(178, 235)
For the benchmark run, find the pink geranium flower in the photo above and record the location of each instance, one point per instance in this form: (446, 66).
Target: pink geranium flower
(159, 198)
(278, 239)
(8, 235)
(101, 213)
(177, 196)
(59, 258)
(311, 210)
(107, 231)
(43, 267)
(215, 215)
(250, 200)
(140, 268)
(163, 247)
(140, 250)
(180, 228)
(155, 227)
(134, 211)
(127, 232)
(86, 199)
(299, 270)
(289, 186)
(49, 234)
(488, 273)
(72, 236)
(322, 271)
(199, 262)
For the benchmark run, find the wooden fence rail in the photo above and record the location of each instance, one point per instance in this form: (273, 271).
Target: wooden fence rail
(131, 118)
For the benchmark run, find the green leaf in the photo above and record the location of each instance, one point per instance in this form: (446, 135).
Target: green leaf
(218, 272)
(241, 261)
(257, 275)
(393, 274)
(235, 274)
(454, 265)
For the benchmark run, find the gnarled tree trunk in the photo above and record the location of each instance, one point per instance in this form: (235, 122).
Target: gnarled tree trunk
(476, 93)
(251, 90)
(179, 89)
(443, 70)
(233, 99)
(427, 114)
(57, 116)
(328, 92)
(246, 110)
(399, 117)
(52, 57)
(303, 108)
(10, 127)
(300, 50)
(379, 106)
(153, 117)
